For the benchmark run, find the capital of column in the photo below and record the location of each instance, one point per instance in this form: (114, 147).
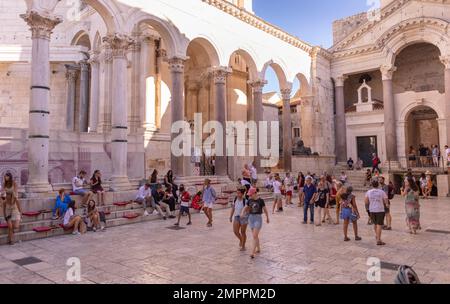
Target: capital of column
(176, 64)
(40, 26)
(71, 74)
(194, 86)
(161, 53)
(148, 39)
(257, 85)
(445, 61)
(340, 80)
(84, 66)
(119, 44)
(94, 57)
(220, 74)
(286, 94)
(387, 71)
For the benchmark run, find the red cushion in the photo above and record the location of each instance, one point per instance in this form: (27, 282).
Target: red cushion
(131, 216)
(3, 226)
(107, 212)
(42, 229)
(32, 213)
(122, 204)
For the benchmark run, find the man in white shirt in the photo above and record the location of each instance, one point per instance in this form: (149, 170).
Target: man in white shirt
(376, 201)
(78, 183)
(144, 197)
(289, 184)
(245, 183)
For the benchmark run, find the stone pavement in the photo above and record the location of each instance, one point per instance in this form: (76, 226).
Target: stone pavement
(291, 252)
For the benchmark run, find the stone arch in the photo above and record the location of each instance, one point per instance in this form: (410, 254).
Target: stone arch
(412, 31)
(410, 108)
(210, 49)
(110, 13)
(97, 42)
(280, 72)
(175, 43)
(305, 87)
(249, 60)
(82, 38)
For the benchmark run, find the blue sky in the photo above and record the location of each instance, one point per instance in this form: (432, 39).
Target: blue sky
(310, 20)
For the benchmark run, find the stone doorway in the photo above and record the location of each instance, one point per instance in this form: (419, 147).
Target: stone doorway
(366, 146)
(422, 128)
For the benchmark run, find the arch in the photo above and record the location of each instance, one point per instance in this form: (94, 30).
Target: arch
(175, 43)
(210, 49)
(410, 108)
(82, 38)
(280, 72)
(305, 87)
(110, 14)
(249, 60)
(411, 31)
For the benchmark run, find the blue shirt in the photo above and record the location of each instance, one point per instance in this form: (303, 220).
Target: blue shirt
(209, 195)
(309, 192)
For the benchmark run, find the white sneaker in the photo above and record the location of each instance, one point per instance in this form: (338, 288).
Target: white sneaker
(146, 213)
(76, 233)
(202, 212)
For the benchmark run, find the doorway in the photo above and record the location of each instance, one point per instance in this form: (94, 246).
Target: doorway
(366, 146)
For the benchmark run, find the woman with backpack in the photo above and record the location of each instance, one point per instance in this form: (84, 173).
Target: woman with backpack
(349, 213)
(239, 222)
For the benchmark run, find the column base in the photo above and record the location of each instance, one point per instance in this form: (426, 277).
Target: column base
(120, 183)
(35, 188)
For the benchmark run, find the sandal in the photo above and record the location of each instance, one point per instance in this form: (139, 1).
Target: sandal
(381, 244)
(358, 238)
(347, 239)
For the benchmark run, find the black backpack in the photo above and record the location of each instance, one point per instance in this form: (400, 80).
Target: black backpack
(407, 276)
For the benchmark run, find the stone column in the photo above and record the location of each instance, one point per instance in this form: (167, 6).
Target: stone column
(287, 129)
(192, 99)
(446, 61)
(389, 114)
(258, 114)
(39, 123)
(71, 77)
(134, 119)
(148, 82)
(119, 137)
(176, 66)
(341, 124)
(220, 104)
(95, 92)
(106, 59)
(84, 97)
(160, 55)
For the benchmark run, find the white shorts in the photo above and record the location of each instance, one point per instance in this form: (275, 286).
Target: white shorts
(208, 205)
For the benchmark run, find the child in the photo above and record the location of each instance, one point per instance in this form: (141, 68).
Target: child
(197, 201)
(209, 197)
(368, 177)
(184, 209)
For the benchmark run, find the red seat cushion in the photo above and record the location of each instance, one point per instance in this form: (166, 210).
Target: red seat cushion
(3, 226)
(31, 213)
(131, 216)
(42, 229)
(122, 204)
(107, 212)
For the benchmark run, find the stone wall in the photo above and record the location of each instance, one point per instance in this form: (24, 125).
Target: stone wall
(343, 27)
(352, 85)
(313, 164)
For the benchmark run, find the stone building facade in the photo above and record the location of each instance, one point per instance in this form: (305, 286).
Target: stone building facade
(99, 84)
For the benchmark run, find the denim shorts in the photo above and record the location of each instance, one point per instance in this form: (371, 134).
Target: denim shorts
(241, 220)
(184, 210)
(81, 192)
(347, 214)
(255, 221)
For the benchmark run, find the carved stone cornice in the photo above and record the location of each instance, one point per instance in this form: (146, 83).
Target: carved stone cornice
(220, 74)
(387, 71)
(119, 44)
(41, 26)
(259, 23)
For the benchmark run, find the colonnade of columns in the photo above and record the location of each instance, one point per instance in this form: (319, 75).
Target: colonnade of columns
(103, 99)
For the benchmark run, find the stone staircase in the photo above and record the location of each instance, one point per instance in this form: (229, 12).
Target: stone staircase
(356, 179)
(37, 220)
